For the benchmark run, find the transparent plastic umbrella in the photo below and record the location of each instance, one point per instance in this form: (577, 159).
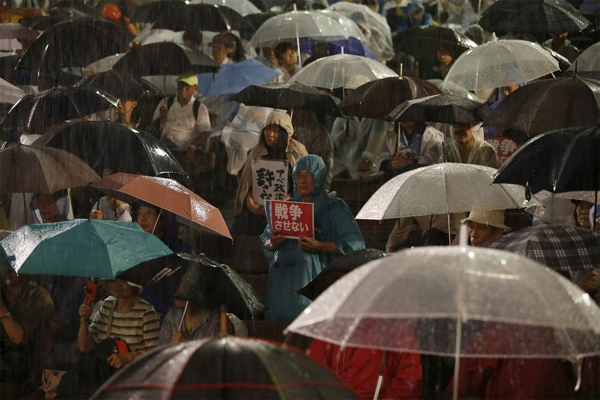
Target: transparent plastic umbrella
(453, 301)
(373, 20)
(9, 94)
(441, 189)
(500, 63)
(587, 61)
(337, 71)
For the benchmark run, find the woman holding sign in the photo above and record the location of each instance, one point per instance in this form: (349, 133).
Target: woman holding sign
(264, 172)
(296, 262)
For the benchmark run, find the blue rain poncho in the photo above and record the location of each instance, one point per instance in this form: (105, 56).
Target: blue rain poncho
(291, 267)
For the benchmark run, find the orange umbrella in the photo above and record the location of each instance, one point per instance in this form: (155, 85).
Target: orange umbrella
(169, 195)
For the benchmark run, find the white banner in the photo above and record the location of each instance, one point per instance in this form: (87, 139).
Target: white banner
(269, 180)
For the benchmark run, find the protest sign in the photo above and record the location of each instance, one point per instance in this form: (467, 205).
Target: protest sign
(290, 218)
(269, 180)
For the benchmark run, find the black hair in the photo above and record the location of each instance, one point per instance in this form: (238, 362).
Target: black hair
(282, 48)
(277, 152)
(193, 36)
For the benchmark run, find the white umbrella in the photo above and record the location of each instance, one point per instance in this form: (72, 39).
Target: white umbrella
(339, 70)
(501, 63)
(242, 7)
(9, 94)
(442, 189)
(456, 301)
(588, 61)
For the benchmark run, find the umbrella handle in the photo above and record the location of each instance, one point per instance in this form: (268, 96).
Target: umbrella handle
(380, 377)
(223, 318)
(183, 316)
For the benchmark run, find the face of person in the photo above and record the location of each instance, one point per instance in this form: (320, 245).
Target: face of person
(444, 57)
(508, 89)
(288, 58)
(583, 214)
(185, 92)
(409, 126)
(304, 183)
(119, 288)
(126, 106)
(481, 233)
(417, 16)
(48, 208)
(463, 133)
(146, 218)
(271, 133)
(220, 52)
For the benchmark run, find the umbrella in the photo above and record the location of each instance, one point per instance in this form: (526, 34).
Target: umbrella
(560, 247)
(446, 108)
(287, 96)
(559, 103)
(500, 63)
(588, 61)
(169, 195)
(451, 88)
(441, 189)
(57, 15)
(544, 16)
(589, 196)
(10, 94)
(165, 59)
(559, 161)
(233, 78)
(337, 71)
(424, 41)
(121, 84)
(242, 7)
(563, 62)
(109, 145)
(198, 279)
(373, 19)
(457, 302)
(338, 268)
(82, 247)
(74, 44)
(224, 368)
(36, 169)
(376, 99)
(38, 112)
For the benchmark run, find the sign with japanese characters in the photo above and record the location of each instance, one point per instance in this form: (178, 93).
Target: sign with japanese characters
(505, 147)
(290, 218)
(269, 180)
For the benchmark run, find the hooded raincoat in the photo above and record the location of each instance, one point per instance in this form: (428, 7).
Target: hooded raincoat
(291, 267)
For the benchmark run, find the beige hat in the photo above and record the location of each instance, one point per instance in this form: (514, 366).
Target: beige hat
(493, 218)
(281, 119)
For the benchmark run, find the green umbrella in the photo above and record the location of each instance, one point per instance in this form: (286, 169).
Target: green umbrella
(86, 248)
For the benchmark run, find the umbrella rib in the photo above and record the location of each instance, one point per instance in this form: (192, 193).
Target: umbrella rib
(271, 373)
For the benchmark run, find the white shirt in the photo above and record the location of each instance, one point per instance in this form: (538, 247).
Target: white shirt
(180, 126)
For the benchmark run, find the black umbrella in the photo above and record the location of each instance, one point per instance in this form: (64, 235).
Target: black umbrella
(224, 368)
(424, 41)
(445, 108)
(36, 113)
(338, 268)
(165, 58)
(548, 105)
(200, 280)
(376, 99)
(288, 96)
(26, 77)
(57, 15)
(565, 160)
(75, 43)
(121, 84)
(109, 145)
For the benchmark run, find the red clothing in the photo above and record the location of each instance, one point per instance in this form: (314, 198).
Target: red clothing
(359, 369)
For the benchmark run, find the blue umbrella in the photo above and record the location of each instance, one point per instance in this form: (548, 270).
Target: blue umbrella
(233, 78)
(351, 46)
(82, 247)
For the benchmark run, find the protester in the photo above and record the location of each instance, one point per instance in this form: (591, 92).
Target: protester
(127, 114)
(485, 226)
(296, 262)
(467, 149)
(111, 209)
(287, 60)
(226, 49)
(161, 224)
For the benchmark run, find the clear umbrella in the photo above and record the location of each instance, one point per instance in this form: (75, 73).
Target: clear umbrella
(500, 63)
(588, 61)
(9, 94)
(242, 7)
(373, 20)
(337, 71)
(349, 27)
(457, 302)
(441, 189)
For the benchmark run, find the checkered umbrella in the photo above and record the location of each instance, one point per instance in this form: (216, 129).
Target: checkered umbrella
(560, 247)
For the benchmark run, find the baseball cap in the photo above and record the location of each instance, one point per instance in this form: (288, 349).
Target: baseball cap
(188, 78)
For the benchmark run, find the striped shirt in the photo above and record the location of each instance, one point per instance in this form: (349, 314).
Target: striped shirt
(139, 327)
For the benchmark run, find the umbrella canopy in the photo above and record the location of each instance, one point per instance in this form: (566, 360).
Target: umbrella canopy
(376, 99)
(82, 247)
(560, 247)
(103, 144)
(43, 170)
(121, 84)
(287, 96)
(454, 301)
(74, 44)
(588, 61)
(10, 94)
(242, 7)
(224, 368)
(559, 161)
(559, 103)
(290, 26)
(233, 78)
(441, 189)
(424, 41)
(38, 112)
(373, 20)
(338, 268)
(57, 15)
(445, 107)
(169, 195)
(198, 279)
(500, 63)
(165, 58)
(339, 71)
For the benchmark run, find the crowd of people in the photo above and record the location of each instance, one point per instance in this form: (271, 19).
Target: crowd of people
(55, 342)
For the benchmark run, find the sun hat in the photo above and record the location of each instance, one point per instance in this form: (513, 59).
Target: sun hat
(493, 218)
(188, 78)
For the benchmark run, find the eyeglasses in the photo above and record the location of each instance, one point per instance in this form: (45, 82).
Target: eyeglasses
(305, 177)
